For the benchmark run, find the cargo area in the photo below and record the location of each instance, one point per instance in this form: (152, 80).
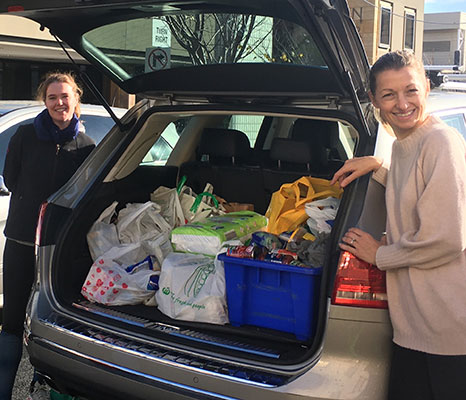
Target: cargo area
(240, 170)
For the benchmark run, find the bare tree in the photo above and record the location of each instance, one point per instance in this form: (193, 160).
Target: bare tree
(232, 38)
(292, 44)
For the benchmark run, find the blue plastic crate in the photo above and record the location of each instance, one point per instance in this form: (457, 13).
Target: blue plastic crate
(272, 295)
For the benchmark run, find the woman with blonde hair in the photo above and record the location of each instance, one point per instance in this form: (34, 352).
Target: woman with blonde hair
(41, 157)
(424, 253)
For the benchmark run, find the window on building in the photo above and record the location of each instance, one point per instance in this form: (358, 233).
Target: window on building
(441, 45)
(385, 24)
(410, 28)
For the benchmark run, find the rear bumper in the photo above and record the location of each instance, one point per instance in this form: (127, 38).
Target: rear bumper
(353, 365)
(80, 374)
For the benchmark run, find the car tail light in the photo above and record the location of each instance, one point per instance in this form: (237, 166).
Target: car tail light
(40, 221)
(359, 284)
(15, 8)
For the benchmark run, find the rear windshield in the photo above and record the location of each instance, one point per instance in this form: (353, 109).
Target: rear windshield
(144, 45)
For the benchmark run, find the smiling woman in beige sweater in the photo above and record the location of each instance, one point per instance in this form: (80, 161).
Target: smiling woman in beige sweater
(424, 251)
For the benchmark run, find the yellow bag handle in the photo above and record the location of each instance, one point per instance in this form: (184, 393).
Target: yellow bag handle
(286, 209)
(316, 188)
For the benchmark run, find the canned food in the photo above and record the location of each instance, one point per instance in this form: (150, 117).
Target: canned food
(282, 252)
(241, 251)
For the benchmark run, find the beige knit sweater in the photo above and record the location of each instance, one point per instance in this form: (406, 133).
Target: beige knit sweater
(425, 256)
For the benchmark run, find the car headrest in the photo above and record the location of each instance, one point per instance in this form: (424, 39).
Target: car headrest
(324, 132)
(291, 151)
(224, 143)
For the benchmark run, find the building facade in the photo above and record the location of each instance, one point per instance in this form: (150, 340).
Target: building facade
(27, 53)
(444, 40)
(388, 25)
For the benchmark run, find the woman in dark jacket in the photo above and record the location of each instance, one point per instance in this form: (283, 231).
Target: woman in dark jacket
(41, 157)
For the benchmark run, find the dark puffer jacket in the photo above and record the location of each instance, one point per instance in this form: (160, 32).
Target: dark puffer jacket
(34, 169)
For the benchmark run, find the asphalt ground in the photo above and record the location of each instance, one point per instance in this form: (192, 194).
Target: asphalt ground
(23, 378)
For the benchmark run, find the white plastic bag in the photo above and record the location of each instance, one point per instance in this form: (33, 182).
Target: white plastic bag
(103, 234)
(138, 220)
(158, 246)
(321, 214)
(110, 283)
(169, 202)
(192, 288)
(125, 254)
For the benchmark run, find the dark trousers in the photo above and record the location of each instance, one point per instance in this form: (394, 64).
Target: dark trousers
(18, 276)
(416, 375)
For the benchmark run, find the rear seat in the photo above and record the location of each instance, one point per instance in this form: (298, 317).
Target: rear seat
(291, 159)
(324, 138)
(224, 160)
(310, 150)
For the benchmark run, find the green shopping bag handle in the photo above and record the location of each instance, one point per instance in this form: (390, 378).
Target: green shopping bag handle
(198, 200)
(181, 184)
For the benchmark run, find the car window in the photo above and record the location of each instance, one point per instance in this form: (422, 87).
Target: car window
(143, 45)
(456, 121)
(162, 148)
(5, 137)
(348, 140)
(158, 154)
(249, 124)
(97, 126)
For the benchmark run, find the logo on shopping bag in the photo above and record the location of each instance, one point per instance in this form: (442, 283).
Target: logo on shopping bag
(197, 280)
(166, 291)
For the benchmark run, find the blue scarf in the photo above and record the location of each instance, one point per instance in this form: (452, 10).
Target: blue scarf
(47, 131)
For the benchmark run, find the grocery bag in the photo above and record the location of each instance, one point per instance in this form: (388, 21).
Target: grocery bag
(103, 234)
(197, 208)
(192, 288)
(321, 214)
(286, 209)
(234, 206)
(169, 201)
(137, 232)
(139, 221)
(113, 284)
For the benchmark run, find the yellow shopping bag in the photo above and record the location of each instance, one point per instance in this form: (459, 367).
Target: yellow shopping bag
(286, 209)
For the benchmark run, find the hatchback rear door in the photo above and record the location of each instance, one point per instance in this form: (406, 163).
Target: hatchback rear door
(332, 64)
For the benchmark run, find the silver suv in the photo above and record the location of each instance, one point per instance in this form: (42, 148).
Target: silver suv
(261, 92)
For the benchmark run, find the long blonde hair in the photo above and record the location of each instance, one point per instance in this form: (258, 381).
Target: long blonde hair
(62, 77)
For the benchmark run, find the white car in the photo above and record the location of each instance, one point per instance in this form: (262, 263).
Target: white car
(451, 107)
(97, 122)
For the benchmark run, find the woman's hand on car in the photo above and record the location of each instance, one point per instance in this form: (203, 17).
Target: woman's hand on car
(354, 168)
(361, 244)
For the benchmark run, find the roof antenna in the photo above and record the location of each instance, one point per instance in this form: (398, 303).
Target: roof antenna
(90, 85)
